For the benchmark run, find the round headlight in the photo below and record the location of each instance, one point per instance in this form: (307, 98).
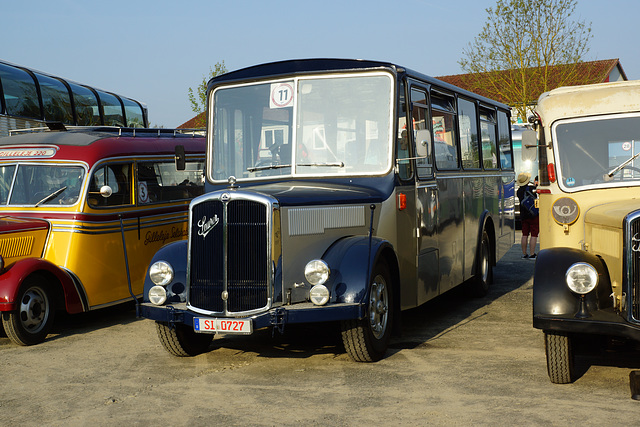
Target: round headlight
(319, 295)
(581, 278)
(161, 273)
(157, 295)
(316, 272)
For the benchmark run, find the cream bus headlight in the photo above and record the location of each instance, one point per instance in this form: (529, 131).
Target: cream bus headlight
(581, 278)
(316, 272)
(161, 273)
(157, 295)
(319, 295)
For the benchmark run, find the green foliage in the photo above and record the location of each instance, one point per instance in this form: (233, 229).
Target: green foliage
(198, 98)
(526, 37)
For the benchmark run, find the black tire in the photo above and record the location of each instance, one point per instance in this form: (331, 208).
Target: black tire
(366, 340)
(559, 350)
(31, 322)
(484, 271)
(181, 340)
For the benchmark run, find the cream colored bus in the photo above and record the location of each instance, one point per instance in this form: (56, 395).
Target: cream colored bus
(587, 276)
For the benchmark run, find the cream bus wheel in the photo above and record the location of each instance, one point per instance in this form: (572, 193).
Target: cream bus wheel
(32, 320)
(559, 350)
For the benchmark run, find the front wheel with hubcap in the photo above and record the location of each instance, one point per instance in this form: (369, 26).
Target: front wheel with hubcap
(366, 339)
(181, 340)
(32, 320)
(559, 350)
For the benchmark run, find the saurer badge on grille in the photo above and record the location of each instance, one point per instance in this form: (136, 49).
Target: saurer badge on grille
(206, 225)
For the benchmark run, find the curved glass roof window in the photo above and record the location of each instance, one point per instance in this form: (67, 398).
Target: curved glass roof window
(134, 113)
(86, 105)
(111, 109)
(20, 92)
(56, 100)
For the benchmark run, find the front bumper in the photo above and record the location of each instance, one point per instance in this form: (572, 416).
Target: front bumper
(278, 316)
(602, 322)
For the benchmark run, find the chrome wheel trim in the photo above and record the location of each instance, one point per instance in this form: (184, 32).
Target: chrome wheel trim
(484, 262)
(33, 311)
(379, 307)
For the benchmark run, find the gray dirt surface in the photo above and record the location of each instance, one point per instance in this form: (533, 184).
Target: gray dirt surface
(459, 361)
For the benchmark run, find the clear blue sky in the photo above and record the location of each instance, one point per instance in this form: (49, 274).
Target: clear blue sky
(154, 50)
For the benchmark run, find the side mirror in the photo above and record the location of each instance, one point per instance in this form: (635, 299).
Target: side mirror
(106, 191)
(181, 161)
(423, 142)
(529, 145)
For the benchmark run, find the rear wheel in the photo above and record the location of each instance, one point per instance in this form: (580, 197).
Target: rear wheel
(559, 350)
(32, 320)
(181, 340)
(366, 339)
(484, 272)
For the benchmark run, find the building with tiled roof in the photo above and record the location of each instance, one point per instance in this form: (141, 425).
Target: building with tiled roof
(583, 73)
(589, 72)
(198, 122)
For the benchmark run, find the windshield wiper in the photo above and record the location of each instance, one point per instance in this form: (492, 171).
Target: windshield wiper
(262, 168)
(621, 166)
(337, 165)
(51, 196)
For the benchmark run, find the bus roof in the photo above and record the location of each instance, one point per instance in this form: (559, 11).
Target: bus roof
(315, 65)
(589, 100)
(93, 144)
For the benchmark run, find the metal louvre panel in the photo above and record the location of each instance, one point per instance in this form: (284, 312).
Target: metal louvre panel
(248, 279)
(230, 271)
(634, 256)
(207, 257)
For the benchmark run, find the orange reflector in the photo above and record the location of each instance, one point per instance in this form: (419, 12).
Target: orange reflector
(552, 172)
(402, 201)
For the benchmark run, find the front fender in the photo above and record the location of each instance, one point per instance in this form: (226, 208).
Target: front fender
(551, 295)
(351, 264)
(175, 254)
(16, 273)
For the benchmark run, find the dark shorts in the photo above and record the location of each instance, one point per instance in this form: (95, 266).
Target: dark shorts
(530, 226)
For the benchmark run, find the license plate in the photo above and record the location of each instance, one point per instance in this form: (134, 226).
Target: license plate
(223, 326)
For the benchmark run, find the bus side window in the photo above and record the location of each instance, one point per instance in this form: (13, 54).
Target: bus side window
(402, 148)
(488, 132)
(118, 178)
(504, 142)
(161, 182)
(468, 128)
(421, 132)
(444, 132)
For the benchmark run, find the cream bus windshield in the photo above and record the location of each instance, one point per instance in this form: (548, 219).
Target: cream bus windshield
(598, 153)
(28, 184)
(314, 126)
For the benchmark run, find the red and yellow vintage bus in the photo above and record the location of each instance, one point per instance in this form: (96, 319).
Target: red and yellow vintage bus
(69, 200)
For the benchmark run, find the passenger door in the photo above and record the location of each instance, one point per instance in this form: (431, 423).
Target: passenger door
(426, 197)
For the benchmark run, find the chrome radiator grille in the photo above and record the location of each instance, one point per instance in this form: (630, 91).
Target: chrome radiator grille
(633, 257)
(229, 256)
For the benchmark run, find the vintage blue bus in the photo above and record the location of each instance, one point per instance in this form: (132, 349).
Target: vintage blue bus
(30, 98)
(336, 190)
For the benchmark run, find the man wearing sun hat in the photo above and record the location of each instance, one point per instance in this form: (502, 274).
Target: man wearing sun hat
(528, 219)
